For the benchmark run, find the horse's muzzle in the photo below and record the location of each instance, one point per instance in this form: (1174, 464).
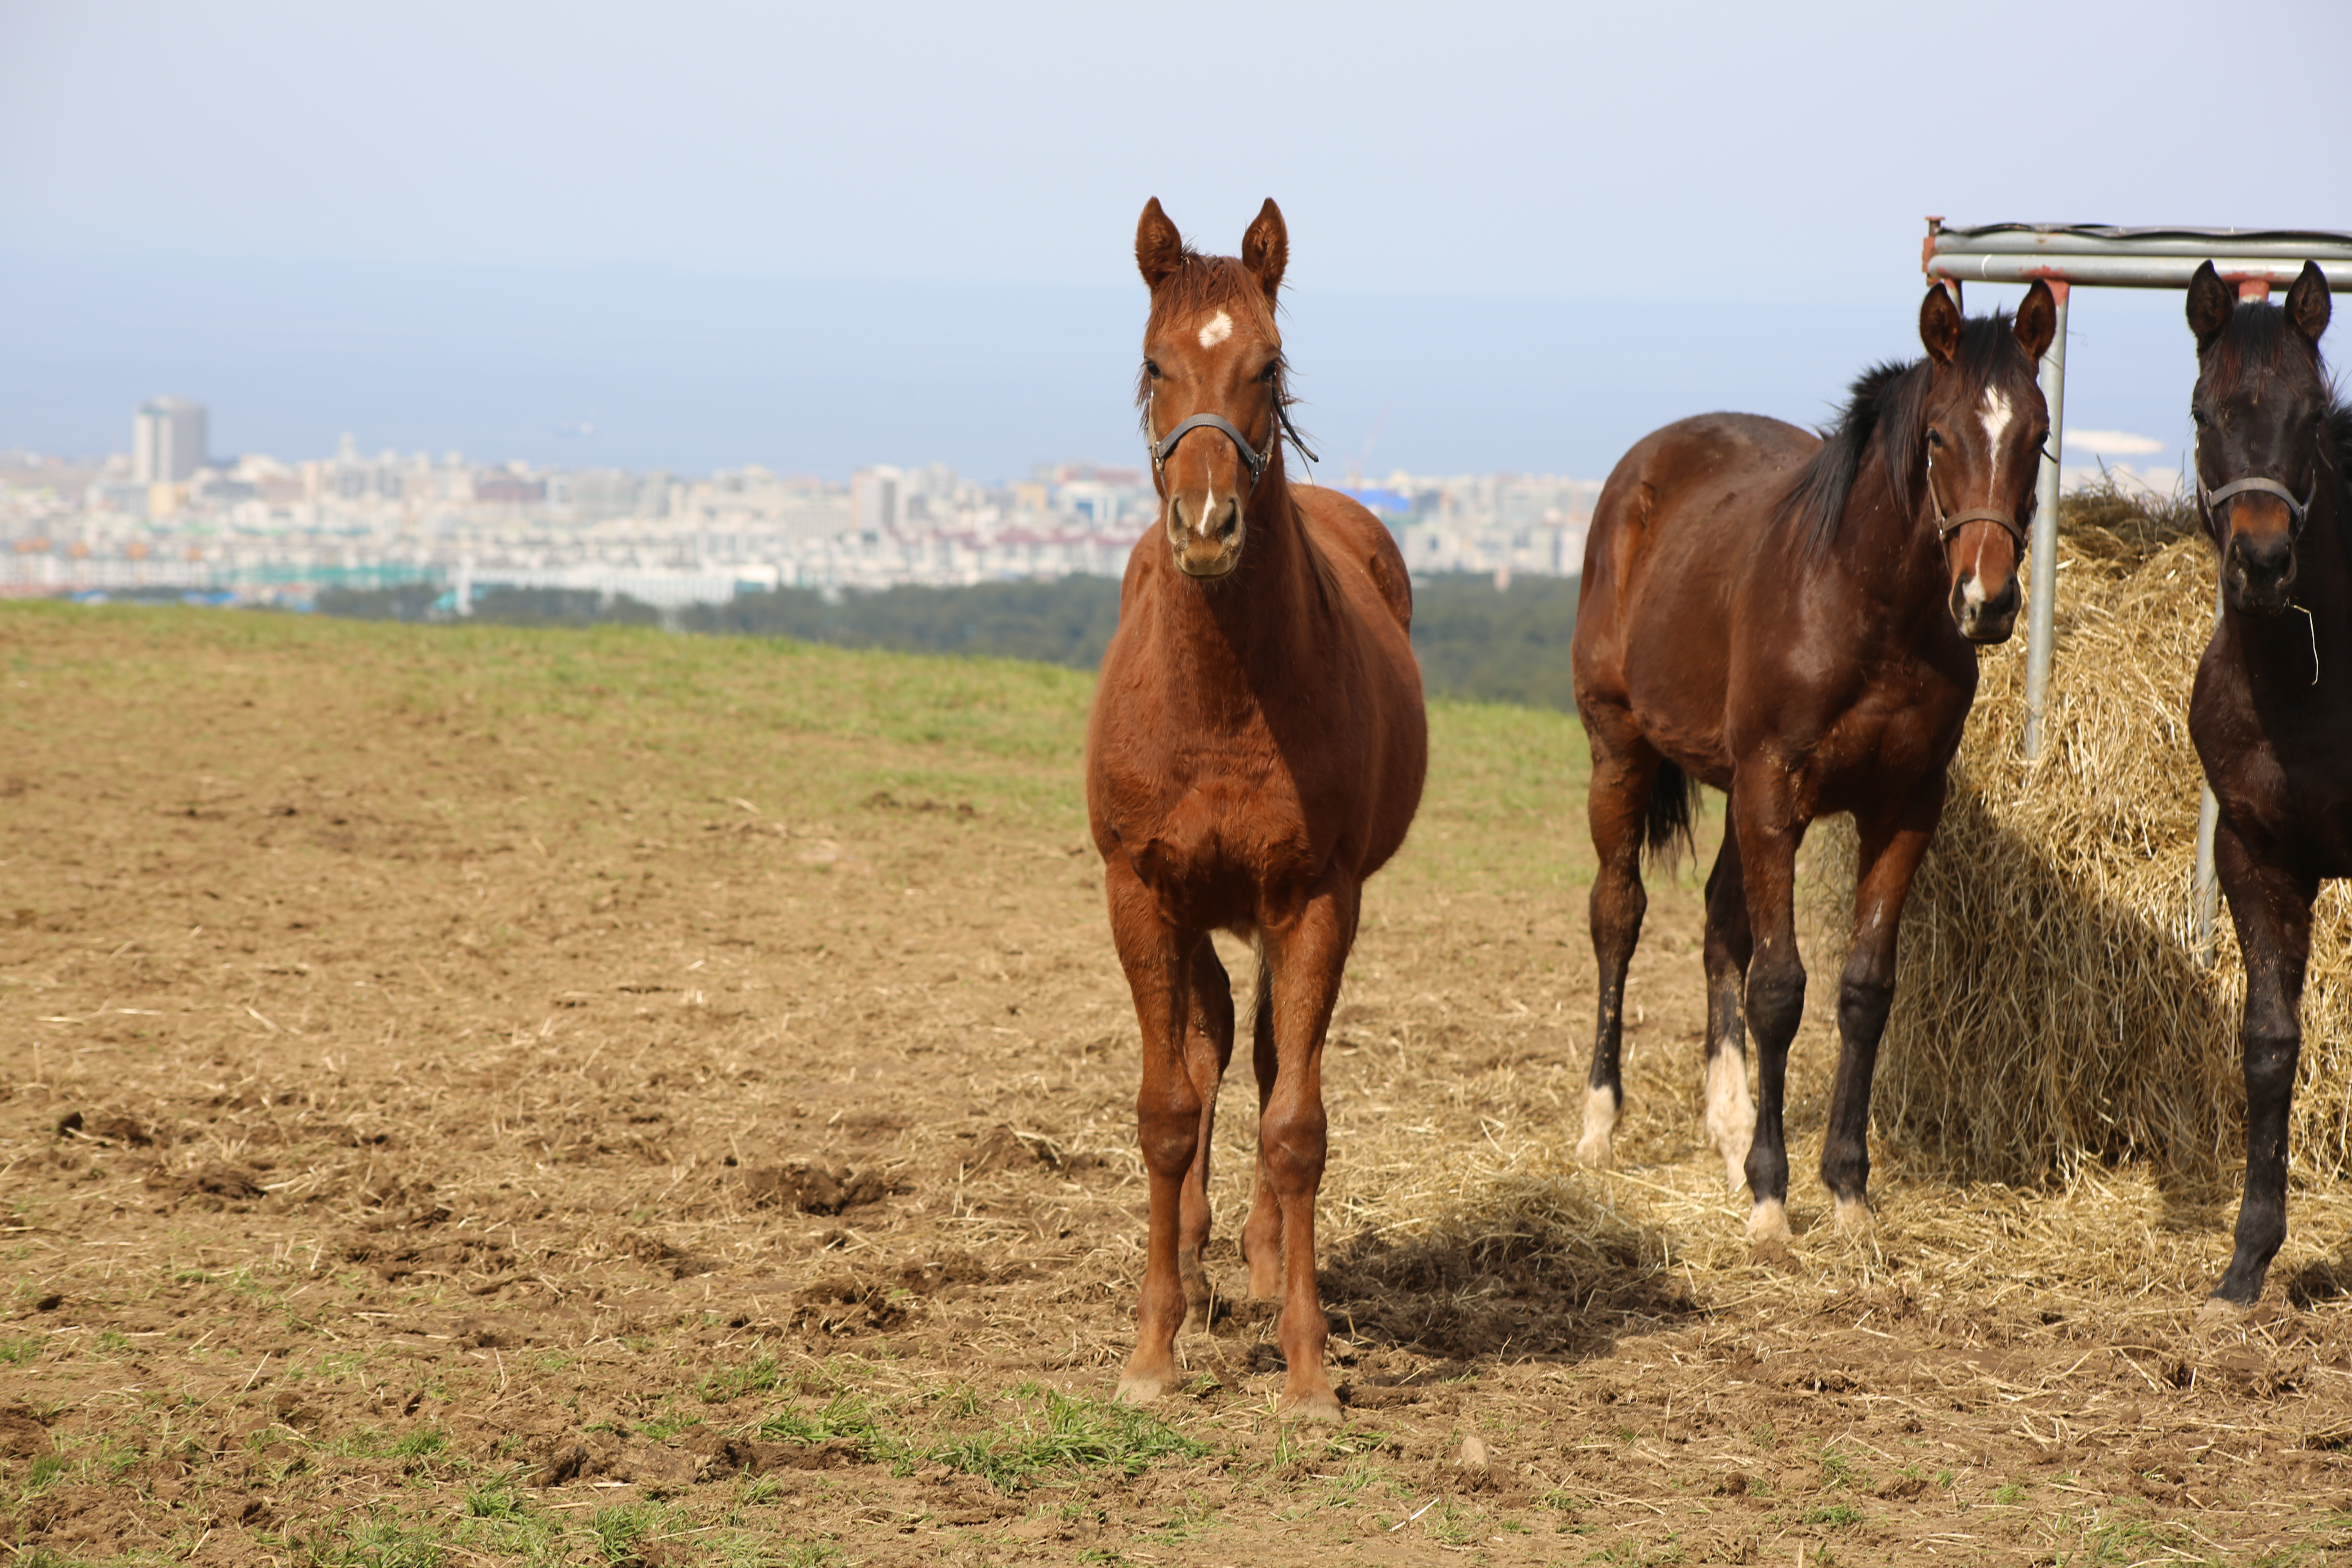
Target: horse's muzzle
(2259, 572)
(1207, 546)
(1981, 617)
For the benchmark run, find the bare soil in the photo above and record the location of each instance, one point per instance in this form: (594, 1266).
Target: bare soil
(601, 1097)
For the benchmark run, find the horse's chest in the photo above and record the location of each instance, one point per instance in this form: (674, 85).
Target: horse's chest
(1215, 825)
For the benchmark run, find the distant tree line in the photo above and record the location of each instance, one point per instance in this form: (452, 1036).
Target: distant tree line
(1508, 644)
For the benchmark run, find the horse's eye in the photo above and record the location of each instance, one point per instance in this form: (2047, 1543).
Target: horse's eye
(1269, 373)
(1151, 368)
(1935, 437)
(2197, 418)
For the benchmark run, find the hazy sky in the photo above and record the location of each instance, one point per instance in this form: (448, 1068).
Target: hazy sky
(816, 237)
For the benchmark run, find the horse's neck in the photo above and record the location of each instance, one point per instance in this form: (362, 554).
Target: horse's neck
(1887, 547)
(2307, 646)
(1230, 633)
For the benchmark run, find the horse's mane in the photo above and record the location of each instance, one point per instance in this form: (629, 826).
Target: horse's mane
(1888, 397)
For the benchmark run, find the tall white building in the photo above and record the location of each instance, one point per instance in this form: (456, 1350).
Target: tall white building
(168, 438)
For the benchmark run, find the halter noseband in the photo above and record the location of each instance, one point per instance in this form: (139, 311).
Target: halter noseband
(1253, 458)
(1947, 526)
(2295, 510)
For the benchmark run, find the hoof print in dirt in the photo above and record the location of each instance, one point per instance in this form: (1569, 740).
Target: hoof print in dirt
(1003, 1148)
(807, 1188)
(105, 1129)
(210, 1186)
(670, 1258)
(23, 1435)
(850, 1306)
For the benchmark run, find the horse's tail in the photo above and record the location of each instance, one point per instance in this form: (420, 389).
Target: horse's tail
(1667, 830)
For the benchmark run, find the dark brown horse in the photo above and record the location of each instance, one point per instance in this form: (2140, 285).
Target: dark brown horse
(1788, 618)
(2272, 713)
(1256, 751)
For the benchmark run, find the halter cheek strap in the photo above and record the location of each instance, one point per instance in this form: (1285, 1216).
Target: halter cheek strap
(1948, 525)
(2297, 510)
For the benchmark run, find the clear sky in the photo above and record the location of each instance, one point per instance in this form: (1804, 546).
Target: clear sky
(818, 237)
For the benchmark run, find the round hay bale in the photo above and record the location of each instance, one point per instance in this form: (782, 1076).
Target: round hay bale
(2049, 1010)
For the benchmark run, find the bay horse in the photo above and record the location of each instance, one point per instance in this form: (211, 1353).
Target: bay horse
(2271, 713)
(1255, 750)
(1789, 617)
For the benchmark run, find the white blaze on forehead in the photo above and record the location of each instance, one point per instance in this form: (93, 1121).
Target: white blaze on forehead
(1996, 415)
(1218, 329)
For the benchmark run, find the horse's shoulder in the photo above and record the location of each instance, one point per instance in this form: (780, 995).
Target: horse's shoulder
(1351, 537)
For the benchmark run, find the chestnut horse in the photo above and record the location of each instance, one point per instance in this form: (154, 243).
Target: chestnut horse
(2271, 712)
(1790, 618)
(1255, 751)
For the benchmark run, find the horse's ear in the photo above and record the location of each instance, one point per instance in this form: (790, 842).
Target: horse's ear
(2307, 305)
(1158, 248)
(2209, 306)
(2037, 321)
(1939, 325)
(1266, 249)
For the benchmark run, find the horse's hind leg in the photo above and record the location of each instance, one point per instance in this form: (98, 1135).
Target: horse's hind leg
(1730, 1113)
(2272, 909)
(1208, 1047)
(1262, 1237)
(1625, 770)
(1891, 850)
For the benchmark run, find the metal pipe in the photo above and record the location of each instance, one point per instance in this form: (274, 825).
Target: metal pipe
(2042, 611)
(2127, 271)
(2319, 248)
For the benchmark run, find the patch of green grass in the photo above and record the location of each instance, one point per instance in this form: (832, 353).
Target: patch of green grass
(1066, 1434)
(662, 1428)
(496, 1499)
(2010, 1492)
(620, 1529)
(846, 1416)
(378, 1540)
(762, 1374)
(112, 1342)
(1836, 1513)
(422, 1443)
(17, 1351)
(47, 1468)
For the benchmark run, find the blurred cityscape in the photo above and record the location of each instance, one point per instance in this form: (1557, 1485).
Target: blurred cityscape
(168, 515)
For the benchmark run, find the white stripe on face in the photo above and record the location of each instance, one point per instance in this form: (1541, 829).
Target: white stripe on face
(1997, 415)
(1218, 329)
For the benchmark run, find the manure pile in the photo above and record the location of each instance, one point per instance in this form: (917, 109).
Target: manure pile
(2050, 1011)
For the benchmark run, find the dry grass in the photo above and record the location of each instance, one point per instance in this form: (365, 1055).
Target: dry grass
(2050, 1014)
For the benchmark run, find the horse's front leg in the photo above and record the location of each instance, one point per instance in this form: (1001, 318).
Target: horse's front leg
(1306, 956)
(1167, 1115)
(2272, 909)
(1769, 833)
(1890, 849)
(1208, 1048)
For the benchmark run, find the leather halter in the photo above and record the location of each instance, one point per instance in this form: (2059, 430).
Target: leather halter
(1254, 458)
(2297, 510)
(1946, 526)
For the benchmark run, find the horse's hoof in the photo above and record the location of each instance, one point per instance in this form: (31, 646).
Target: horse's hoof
(1852, 1218)
(2219, 1309)
(1311, 1405)
(1141, 1385)
(1768, 1223)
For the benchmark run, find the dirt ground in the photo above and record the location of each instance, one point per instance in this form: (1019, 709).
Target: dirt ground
(601, 1098)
